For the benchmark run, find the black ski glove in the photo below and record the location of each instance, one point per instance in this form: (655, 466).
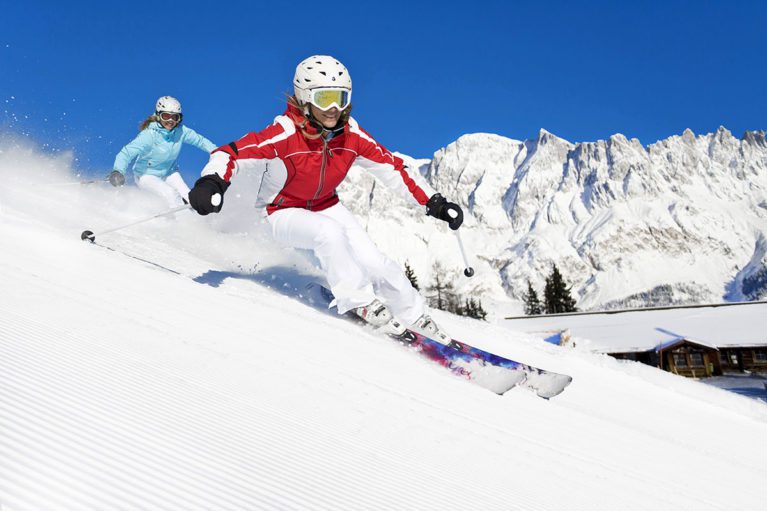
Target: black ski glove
(450, 212)
(202, 193)
(116, 178)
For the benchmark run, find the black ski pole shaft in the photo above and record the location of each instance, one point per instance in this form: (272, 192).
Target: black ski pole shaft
(468, 270)
(91, 236)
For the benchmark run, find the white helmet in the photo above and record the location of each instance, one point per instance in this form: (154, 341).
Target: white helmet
(168, 104)
(321, 71)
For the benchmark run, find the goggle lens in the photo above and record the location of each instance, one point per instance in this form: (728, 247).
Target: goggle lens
(167, 116)
(324, 99)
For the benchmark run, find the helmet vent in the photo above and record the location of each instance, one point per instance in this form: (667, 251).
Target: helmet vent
(323, 73)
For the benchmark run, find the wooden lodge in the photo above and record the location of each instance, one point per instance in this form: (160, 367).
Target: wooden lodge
(694, 340)
(689, 358)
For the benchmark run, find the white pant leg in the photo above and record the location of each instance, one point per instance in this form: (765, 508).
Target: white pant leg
(389, 281)
(325, 236)
(177, 182)
(159, 187)
(356, 270)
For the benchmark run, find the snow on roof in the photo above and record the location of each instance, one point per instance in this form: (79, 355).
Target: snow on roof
(679, 340)
(719, 326)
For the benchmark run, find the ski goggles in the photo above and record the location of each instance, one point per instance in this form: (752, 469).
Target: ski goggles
(167, 116)
(325, 99)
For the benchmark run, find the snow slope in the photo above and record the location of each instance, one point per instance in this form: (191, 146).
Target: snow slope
(193, 374)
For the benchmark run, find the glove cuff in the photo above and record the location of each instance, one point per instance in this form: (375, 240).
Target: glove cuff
(432, 207)
(216, 180)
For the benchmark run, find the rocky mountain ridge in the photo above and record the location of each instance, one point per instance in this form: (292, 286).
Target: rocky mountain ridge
(683, 220)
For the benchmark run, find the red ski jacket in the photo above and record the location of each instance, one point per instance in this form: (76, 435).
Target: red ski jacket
(302, 170)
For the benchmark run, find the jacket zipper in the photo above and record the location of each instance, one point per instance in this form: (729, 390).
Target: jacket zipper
(322, 173)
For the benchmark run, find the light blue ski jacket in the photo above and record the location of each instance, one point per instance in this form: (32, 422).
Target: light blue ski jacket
(156, 149)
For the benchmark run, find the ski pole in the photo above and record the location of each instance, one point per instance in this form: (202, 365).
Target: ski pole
(72, 183)
(468, 271)
(90, 236)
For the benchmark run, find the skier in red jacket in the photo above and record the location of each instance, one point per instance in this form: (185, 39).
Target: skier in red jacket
(302, 157)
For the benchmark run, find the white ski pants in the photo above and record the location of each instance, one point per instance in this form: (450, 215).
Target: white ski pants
(173, 188)
(357, 272)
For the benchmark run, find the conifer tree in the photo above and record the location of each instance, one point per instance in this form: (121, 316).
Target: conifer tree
(473, 309)
(556, 295)
(410, 274)
(441, 292)
(481, 312)
(533, 306)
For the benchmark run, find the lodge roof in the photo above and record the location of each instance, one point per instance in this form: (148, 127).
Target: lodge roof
(636, 330)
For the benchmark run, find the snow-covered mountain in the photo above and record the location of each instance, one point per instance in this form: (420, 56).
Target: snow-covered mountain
(683, 220)
(186, 369)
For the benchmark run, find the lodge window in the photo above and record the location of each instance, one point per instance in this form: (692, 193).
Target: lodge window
(760, 356)
(680, 360)
(696, 359)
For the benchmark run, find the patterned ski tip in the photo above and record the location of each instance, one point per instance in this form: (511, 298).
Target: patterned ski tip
(495, 378)
(547, 384)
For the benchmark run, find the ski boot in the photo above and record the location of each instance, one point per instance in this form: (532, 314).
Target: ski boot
(427, 327)
(377, 315)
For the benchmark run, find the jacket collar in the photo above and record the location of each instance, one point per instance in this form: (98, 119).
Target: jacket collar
(162, 129)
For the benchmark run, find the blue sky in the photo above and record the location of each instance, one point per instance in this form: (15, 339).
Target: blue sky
(80, 75)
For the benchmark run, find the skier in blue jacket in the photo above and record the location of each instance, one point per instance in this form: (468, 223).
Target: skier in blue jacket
(154, 153)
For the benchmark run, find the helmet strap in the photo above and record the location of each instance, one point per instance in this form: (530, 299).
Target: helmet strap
(311, 127)
(342, 119)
